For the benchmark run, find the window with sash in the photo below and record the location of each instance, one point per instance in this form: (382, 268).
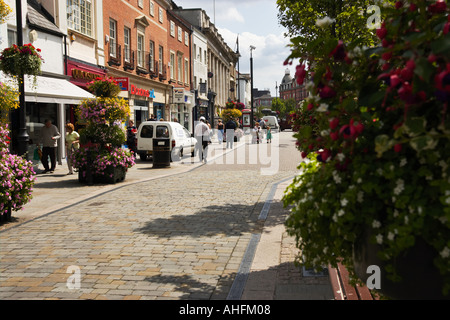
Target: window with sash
(79, 16)
(126, 44)
(140, 50)
(112, 38)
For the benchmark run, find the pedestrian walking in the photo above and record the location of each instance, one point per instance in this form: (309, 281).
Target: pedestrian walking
(256, 133)
(72, 143)
(269, 135)
(49, 140)
(131, 136)
(202, 134)
(220, 128)
(230, 126)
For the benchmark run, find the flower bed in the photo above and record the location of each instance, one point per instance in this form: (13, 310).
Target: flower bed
(16, 177)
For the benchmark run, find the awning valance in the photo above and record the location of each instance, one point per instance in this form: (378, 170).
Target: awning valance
(53, 90)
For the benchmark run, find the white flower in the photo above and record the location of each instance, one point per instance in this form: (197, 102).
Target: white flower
(376, 224)
(340, 156)
(360, 196)
(344, 202)
(341, 213)
(403, 162)
(323, 107)
(359, 180)
(325, 22)
(391, 236)
(400, 187)
(445, 253)
(309, 85)
(336, 177)
(379, 238)
(325, 133)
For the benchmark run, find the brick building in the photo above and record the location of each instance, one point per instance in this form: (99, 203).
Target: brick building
(290, 89)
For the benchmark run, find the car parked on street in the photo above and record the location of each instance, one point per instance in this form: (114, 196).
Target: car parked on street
(181, 141)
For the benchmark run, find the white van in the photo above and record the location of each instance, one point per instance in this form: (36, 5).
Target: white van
(181, 141)
(271, 121)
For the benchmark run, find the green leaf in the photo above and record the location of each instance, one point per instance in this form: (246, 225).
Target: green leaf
(424, 142)
(415, 126)
(442, 45)
(382, 144)
(424, 69)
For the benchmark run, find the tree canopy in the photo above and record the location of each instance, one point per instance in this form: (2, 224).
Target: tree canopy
(350, 21)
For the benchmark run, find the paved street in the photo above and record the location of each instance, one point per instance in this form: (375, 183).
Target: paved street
(191, 231)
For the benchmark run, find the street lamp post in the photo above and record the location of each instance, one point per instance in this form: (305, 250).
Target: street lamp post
(251, 81)
(22, 137)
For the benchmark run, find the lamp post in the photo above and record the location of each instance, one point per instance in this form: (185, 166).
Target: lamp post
(22, 137)
(251, 81)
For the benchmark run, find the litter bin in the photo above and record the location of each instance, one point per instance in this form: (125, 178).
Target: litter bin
(161, 152)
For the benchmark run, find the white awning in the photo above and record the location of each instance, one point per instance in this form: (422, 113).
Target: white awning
(53, 90)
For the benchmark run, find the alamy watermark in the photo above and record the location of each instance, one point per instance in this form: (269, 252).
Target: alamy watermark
(74, 280)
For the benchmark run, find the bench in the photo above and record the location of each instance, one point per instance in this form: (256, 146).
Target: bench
(343, 290)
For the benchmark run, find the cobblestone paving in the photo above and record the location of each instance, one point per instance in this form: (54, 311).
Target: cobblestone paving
(177, 237)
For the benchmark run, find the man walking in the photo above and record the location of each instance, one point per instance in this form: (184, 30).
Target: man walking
(49, 140)
(230, 126)
(202, 134)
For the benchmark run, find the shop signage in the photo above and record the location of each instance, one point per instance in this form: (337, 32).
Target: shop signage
(142, 92)
(123, 83)
(85, 75)
(178, 95)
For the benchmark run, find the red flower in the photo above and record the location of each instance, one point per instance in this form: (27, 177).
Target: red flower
(382, 32)
(334, 136)
(398, 147)
(339, 53)
(398, 4)
(334, 123)
(327, 92)
(300, 73)
(438, 7)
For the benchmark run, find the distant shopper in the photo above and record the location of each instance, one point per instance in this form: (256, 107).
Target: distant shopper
(269, 135)
(230, 126)
(202, 134)
(131, 136)
(220, 128)
(72, 143)
(152, 118)
(49, 139)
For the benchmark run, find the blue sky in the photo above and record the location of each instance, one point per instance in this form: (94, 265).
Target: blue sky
(256, 23)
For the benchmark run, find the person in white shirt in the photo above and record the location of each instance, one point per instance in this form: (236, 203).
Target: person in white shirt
(49, 139)
(202, 134)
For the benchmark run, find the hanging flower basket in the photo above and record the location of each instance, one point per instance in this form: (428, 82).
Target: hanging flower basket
(104, 87)
(19, 60)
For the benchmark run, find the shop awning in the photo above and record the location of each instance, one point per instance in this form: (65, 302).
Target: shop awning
(53, 90)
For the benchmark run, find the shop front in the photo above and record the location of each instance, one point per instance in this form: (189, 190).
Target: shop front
(47, 98)
(181, 108)
(80, 74)
(144, 99)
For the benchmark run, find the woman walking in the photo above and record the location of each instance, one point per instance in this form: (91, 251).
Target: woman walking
(72, 142)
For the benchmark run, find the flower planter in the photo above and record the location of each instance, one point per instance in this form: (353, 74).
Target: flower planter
(5, 217)
(420, 279)
(22, 64)
(111, 175)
